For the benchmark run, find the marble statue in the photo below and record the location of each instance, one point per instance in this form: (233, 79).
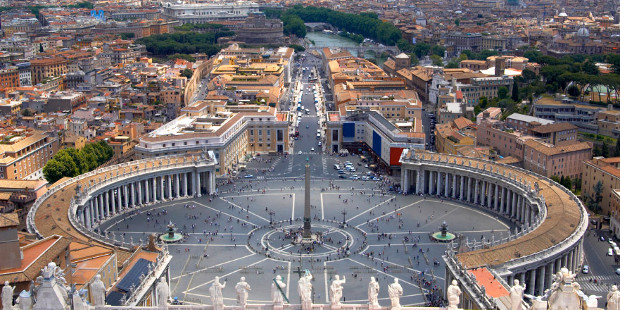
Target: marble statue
(78, 303)
(242, 288)
(613, 299)
(516, 296)
(217, 299)
(163, 292)
(24, 300)
(373, 293)
(395, 291)
(454, 295)
(564, 293)
(335, 290)
(277, 287)
(97, 290)
(304, 288)
(7, 296)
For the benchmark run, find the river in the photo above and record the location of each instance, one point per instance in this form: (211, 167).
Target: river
(328, 39)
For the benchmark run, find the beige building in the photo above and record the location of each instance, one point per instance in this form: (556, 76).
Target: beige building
(25, 153)
(606, 171)
(451, 137)
(559, 160)
(47, 67)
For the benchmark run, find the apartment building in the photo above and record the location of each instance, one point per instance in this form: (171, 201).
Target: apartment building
(607, 172)
(23, 154)
(47, 67)
(454, 135)
(9, 78)
(559, 160)
(583, 116)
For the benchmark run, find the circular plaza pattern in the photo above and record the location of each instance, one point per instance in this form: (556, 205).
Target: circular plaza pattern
(247, 227)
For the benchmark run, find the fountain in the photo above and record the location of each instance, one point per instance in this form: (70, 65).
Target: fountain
(170, 235)
(443, 235)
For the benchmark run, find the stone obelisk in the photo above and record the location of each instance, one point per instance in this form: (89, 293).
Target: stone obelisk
(307, 227)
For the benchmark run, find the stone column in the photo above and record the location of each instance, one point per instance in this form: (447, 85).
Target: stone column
(446, 191)
(453, 186)
(439, 179)
(521, 278)
(147, 191)
(417, 183)
(563, 260)
(476, 192)
(484, 199)
(514, 204)
(86, 212)
(462, 188)
(169, 186)
(502, 204)
(101, 208)
(404, 179)
(106, 203)
(140, 193)
(119, 201)
(92, 214)
(541, 281)
(468, 189)
(423, 182)
(154, 181)
(212, 182)
(161, 188)
(531, 288)
(496, 200)
(431, 185)
(185, 192)
(198, 183)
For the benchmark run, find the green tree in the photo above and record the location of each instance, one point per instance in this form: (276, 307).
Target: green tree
(437, 61)
(27, 112)
(502, 92)
(590, 68)
(127, 35)
(515, 92)
(617, 150)
(595, 201)
(528, 75)
(604, 150)
(187, 73)
(40, 47)
(457, 22)
(573, 91)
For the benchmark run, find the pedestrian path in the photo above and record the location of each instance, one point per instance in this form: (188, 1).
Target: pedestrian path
(590, 287)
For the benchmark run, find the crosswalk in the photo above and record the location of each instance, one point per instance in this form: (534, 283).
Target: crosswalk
(590, 287)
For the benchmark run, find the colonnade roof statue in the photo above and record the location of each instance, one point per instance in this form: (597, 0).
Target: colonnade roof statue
(51, 293)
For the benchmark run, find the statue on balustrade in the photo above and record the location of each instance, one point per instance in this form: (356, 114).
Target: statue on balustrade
(97, 290)
(395, 291)
(454, 295)
(335, 290)
(373, 293)
(277, 289)
(516, 296)
(304, 288)
(242, 288)
(7, 295)
(163, 292)
(215, 290)
(613, 299)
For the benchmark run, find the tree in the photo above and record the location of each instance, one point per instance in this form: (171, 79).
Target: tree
(127, 35)
(71, 162)
(437, 61)
(502, 92)
(617, 151)
(590, 68)
(27, 112)
(40, 47)
(528, 75)
(187, 73)
(573, 91)
(595, 201)
(604, 150)
(515, 92)
(457, 22)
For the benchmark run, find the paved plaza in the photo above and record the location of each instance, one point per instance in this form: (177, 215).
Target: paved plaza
(386, 236)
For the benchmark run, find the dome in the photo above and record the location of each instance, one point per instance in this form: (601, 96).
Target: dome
(563, 13)
(583, 32)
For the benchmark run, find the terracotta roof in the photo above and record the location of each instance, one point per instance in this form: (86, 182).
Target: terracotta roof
(36, 256)
(8, 220)
(554, 127)
(493, 288)
(549, 150)
(462, 122)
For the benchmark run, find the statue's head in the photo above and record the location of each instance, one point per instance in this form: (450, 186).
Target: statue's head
(217, 279)
(278, 277)
(372, 279)
(242, 279)
(395, 280)
(613, 288)
(454, 282)
(516, 282)
(6, 283)
(337, 277)
(98, 277)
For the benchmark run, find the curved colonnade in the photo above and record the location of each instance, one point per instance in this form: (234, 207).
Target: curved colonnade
(551, 220)
(97, 196)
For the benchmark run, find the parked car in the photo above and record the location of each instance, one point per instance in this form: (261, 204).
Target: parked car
(585, 269)
(610, 252)
(249, 176)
